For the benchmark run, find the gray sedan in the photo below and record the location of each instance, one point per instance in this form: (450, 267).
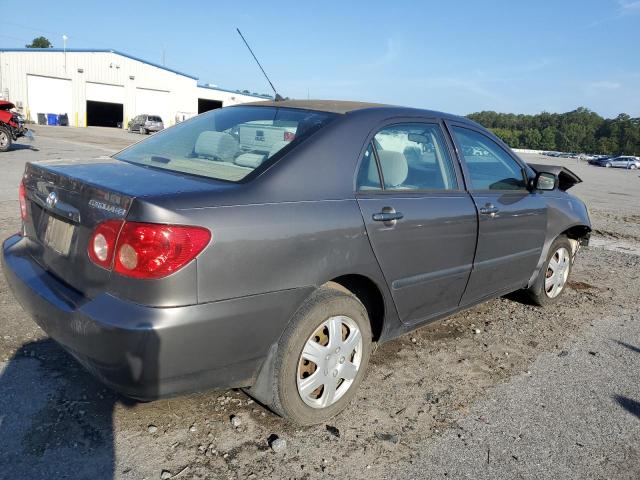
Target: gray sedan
(269, 246)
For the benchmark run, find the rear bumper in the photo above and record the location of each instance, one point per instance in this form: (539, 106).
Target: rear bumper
(146, 352)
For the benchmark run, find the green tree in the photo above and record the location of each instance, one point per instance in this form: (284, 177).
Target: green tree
(510, 137)
(40, 42)
(531, 138)
(580, 130)
(548, 141)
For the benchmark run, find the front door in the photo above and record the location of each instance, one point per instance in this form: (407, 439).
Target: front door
(512, 221)
(421, 223)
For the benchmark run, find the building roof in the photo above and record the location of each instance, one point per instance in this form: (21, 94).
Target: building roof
(97, 50)
(334, 106)
(235, 91)
(117, 52)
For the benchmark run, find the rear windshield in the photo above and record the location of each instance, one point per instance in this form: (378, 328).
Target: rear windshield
(227, 143)
(153, 118)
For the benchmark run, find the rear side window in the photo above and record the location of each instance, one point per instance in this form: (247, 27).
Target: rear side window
(411, 156)
(227, 143)
(368, 177)
(489, 166)
(153, 118)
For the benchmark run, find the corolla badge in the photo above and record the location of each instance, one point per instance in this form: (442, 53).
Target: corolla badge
(52, 199)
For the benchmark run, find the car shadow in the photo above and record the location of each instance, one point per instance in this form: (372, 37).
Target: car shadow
(626, 345)
(22, 146)
(56, 420)
(628, 404)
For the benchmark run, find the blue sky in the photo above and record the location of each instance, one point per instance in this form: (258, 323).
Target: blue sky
(460, 57)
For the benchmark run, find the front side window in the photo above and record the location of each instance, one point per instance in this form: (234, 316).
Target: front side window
(227, 143)
(411, 156)
(489, 166)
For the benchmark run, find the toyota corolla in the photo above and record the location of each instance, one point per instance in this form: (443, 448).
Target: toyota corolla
(268, 246)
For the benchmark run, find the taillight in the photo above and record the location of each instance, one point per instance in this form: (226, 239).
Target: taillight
(102, 243)
(149, 250)
(22, 196)
(289, 136)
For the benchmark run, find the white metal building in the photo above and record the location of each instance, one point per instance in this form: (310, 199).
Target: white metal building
(103, 87)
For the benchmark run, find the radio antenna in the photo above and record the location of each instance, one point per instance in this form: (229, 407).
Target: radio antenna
(278, 97)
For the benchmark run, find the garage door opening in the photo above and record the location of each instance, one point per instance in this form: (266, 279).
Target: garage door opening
(204, 105)
(104, 114)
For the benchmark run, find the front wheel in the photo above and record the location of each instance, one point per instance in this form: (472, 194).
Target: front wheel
(632, 166)
(5, 139)
(322, 357)
(143, 131)
(609, 165)
(553, 276)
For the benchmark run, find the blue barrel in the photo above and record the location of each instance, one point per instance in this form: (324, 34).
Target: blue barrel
(52, 119)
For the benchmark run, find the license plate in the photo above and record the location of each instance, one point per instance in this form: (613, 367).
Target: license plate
(58, 235)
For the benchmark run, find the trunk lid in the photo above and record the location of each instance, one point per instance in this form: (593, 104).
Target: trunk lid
(67, 200)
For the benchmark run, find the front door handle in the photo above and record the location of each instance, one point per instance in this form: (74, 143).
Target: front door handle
(489, 209)
(388, 215)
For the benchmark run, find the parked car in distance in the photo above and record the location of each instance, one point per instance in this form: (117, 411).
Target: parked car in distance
(268, 246)
(622, 161)
(145, 124)
(11, 125)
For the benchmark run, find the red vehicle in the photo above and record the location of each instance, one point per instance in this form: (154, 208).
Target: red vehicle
(11, 125)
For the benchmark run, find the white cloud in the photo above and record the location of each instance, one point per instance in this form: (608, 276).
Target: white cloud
(594, 88)
(629, 5)
(390, 54)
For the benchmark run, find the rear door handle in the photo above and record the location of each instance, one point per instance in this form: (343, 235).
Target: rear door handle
(388, 216)
(489, 209)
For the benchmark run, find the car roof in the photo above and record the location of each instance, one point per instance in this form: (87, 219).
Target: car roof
(347, 106)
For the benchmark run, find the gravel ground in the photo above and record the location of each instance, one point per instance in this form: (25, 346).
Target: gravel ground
(538, 393)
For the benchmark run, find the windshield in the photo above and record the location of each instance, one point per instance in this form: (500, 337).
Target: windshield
(227, 143)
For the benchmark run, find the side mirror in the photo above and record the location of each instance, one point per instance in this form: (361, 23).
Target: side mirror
(546, 181)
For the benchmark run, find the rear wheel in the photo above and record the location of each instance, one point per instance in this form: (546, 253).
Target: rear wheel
(322, 357)
(5, 139)
(143, 131)
(554, 273)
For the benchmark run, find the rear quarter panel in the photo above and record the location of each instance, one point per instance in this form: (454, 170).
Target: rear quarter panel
(278, 246)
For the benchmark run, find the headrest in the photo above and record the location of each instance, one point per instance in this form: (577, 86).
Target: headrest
(394, 168)
(251, 160)
(218, 145)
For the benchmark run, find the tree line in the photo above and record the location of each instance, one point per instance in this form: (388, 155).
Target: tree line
(580, 130)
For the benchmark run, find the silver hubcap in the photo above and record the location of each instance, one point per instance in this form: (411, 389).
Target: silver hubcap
(329, 362)
(4, 139)
(557, 272)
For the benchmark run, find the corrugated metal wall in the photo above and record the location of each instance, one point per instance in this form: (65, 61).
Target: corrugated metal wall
(107, 68)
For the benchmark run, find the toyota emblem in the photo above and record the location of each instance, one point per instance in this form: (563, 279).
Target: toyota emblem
(52, 199)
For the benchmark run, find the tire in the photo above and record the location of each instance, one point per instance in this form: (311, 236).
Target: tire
(142, 131)
(608, 165)
(632, 167)
(130, 129)
(544, 292)
(5, 139)
(310, 332)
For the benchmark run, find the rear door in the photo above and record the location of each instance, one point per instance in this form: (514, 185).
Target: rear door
(512, 220)
(420, 221)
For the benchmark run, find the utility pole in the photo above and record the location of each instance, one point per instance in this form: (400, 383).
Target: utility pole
(64, 48)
